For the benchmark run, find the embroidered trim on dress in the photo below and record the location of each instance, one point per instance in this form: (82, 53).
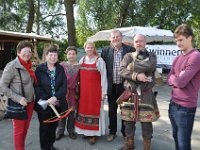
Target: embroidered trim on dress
(88, 120)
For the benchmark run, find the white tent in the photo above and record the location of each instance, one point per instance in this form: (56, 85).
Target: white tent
(152, 34)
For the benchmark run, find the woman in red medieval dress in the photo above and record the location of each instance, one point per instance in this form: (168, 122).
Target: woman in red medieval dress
(90, 119)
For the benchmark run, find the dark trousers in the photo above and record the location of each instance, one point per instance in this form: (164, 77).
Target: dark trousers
(70, 124)
(147, 129)
(117, 90)
(182, 119)
(47, 132)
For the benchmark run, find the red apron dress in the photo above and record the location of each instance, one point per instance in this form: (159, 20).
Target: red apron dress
(90, 97)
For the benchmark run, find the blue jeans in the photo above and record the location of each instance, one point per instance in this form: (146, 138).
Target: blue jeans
(182, 119)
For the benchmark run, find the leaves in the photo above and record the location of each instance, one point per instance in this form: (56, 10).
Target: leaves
(96, 15)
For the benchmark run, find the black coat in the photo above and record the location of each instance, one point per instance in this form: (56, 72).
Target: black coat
(108, 56)
(43, 88)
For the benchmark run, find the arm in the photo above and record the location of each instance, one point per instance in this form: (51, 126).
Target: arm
(6, 79)
(103, 55)
(61, 91)
(185, 76)
(124, 72)
(39, 89)
(101, 66)
(171, 74)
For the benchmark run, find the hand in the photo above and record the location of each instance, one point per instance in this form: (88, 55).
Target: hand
(130, 67)
(142, 77)
(23, 101)
(52, 100)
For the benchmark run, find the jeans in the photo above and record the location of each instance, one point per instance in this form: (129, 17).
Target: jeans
(182, 119)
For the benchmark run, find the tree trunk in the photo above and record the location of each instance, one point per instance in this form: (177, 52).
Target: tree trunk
(30, 16)
(123, 13)
(38, 17)
(70, 22)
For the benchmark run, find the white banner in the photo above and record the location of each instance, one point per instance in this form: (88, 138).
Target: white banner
(165, 54)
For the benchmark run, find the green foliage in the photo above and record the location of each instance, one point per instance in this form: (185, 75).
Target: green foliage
(165, 14)
(96, 15)
(13, 15)
(62, 47)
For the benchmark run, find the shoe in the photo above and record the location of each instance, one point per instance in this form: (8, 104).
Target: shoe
(128, 144)
(111, 137)
(59, 136)
(92, 140)
(73, 135)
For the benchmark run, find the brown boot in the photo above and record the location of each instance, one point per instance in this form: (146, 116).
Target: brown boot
(147, 144)
(92, 140)
(129, 144)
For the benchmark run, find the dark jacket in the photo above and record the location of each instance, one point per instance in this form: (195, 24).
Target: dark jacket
(43, 88)
(108, 56)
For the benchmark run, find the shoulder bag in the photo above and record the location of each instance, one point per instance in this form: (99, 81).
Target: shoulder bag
(15, 110)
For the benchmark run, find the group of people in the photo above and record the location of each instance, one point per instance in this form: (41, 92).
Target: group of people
(84, 86)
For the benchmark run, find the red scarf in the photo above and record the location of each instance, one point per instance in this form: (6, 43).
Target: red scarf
(28, 66)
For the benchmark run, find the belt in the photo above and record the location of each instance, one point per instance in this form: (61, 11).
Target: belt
(175, 104)
(178, 106)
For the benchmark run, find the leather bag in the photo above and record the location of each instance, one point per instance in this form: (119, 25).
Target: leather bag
(15, 110)
(124, 97)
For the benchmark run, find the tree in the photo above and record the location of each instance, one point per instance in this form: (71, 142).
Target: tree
(70, 22)
(123, 12)
(12, 15)
(30, 16)
(48, 16)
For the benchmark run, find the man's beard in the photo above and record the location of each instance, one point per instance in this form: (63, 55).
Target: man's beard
(117, 44)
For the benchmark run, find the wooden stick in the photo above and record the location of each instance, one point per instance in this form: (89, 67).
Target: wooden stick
(55, 111)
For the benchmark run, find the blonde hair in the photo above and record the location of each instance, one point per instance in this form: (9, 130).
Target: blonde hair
(94, 50)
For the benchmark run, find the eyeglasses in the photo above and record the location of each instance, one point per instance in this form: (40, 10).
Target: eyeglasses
(26, 52)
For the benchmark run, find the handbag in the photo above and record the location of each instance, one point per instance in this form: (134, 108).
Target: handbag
(124, 96)
(15, 110)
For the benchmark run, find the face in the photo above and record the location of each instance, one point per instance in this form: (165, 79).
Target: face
(89, 49)
(116, 39)
(139, 42)
(25, 54)
(184, 43)
(71, 56)
(52, 58)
